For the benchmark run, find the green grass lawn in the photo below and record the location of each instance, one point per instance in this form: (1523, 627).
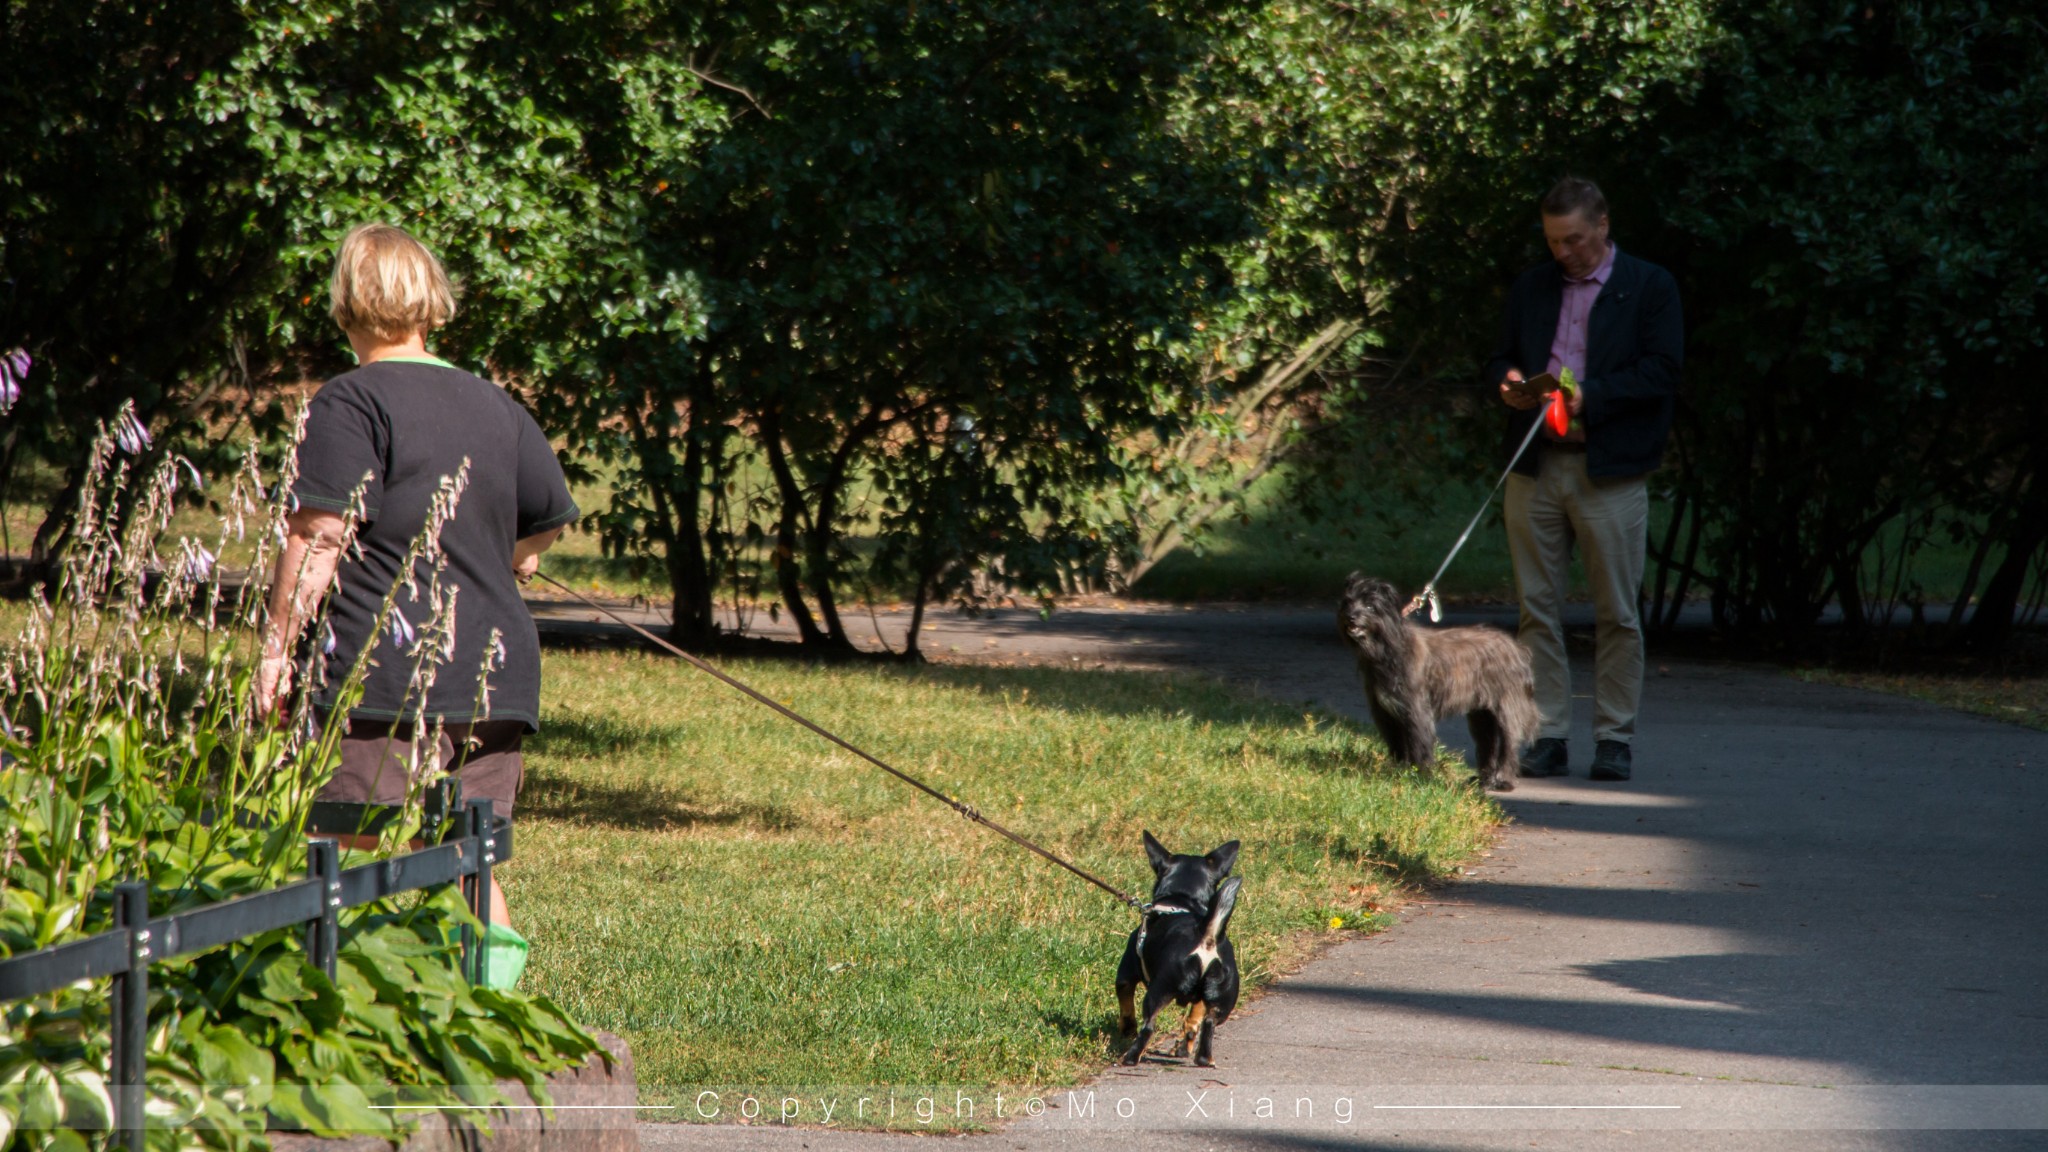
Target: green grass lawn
(1276, 552)
(2016, 698)
(753, 909)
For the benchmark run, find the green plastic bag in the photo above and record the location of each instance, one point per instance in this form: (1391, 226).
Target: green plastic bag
(504, 956)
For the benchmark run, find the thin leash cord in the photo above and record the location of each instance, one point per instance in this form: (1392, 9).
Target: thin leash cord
(963, 808)
(1428, 593)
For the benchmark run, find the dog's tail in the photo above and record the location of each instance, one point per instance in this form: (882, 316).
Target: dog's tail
(1219, 919)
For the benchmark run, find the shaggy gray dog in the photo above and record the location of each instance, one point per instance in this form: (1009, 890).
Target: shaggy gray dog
(1416, 676)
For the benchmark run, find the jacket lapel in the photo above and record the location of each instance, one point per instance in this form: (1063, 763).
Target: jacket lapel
(1609, 305)
(1541, 327)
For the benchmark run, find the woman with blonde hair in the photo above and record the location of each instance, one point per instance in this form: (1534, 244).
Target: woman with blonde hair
(383, 437)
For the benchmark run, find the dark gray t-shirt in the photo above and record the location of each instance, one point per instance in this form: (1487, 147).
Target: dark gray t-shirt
(404, 424)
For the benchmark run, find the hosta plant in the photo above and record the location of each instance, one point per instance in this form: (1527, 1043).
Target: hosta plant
(130, 748)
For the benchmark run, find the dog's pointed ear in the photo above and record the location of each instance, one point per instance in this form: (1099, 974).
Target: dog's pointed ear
(1223, 859)
(1157, 854)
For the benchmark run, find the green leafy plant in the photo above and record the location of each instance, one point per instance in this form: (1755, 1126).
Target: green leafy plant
(131, 751)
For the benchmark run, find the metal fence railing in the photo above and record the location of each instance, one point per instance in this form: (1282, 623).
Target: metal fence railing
(464, 855)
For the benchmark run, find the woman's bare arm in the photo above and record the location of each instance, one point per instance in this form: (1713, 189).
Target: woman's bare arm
(526, 553)
(305, 569)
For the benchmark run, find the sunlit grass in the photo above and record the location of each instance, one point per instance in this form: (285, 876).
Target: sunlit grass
(749, 906)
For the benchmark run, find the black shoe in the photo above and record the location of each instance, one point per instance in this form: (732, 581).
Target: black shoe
(1610, 761)
(1546, 757)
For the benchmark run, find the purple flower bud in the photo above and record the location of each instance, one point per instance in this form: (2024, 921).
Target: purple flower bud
(498, 656)
(328, 642)
(198, 563)
(129, 432)
(402, 633)
(13, 370)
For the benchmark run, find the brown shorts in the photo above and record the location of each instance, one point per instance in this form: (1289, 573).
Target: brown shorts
(375, 763)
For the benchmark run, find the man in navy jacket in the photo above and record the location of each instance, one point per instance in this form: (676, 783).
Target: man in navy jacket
(1614, 320)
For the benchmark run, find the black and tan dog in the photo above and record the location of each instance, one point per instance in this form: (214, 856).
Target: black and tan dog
(1181, 952)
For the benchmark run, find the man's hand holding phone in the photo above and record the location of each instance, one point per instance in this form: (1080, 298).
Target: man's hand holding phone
(1525, 393)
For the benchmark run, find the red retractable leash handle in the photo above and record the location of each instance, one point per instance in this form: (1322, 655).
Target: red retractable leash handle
(1557, 416)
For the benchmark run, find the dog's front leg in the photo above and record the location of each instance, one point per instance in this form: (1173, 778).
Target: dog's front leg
(1130, 972)
(1136, 1051)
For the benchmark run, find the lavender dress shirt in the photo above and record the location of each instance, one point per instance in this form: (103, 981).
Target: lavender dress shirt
(1568, 348)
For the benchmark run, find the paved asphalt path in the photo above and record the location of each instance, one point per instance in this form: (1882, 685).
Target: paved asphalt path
(1815, 919)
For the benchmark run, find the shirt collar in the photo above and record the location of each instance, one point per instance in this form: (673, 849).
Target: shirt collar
(1599, 275)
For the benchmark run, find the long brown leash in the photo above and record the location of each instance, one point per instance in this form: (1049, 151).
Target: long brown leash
(963, 808)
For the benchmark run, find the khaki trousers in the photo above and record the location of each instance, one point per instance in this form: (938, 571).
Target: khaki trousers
(1610, 521)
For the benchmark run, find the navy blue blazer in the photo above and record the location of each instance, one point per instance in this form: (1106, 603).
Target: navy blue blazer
(1635, 346)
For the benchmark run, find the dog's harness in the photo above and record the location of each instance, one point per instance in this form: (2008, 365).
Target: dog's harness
(1145, 928)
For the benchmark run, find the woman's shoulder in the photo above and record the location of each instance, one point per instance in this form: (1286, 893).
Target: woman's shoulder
(406, 391)
(416, 381)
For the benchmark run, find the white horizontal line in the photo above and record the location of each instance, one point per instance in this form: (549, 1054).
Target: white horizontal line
(523, 1107)
(1530, 1107)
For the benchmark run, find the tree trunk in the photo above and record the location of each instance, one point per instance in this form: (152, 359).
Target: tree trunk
(821, 537)
(1969, 585)
(788, 572)
(677, 496)
(54, 533)
(692, 620)
(1991, 623)
(1165, 524)
(910, 646)
(1849, 593)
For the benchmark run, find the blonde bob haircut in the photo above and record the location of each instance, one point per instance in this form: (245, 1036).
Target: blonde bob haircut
(388, 284)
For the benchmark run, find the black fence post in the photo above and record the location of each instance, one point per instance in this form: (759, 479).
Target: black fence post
(470, 845)
(131, 1013)
(450, 792)
(323, 939)
(441, 798)
(484, 840)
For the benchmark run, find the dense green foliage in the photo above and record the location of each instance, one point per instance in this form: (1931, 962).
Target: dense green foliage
(128, 751)
(943, 298)
(1852, 205)
(136, 253)
(1397, 147)
(1846, 196)
(940, 253)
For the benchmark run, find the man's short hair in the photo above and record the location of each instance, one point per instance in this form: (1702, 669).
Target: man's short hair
(388, 284)
(1572, 194)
